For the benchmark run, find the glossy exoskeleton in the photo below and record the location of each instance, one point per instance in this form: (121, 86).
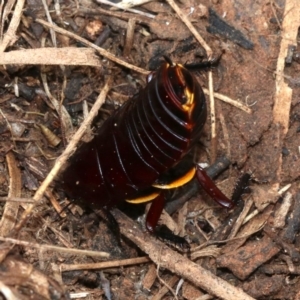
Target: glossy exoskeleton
(140, 144)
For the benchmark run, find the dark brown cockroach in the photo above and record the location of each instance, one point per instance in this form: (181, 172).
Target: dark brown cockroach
(142, 143)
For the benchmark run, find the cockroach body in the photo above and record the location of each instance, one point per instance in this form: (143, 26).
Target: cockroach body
(140, 144)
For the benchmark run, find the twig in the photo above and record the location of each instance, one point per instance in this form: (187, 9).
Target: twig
(214, 242)
(167, 286)
(55, 204)
(213, 152)
(127, 6)
(70, 56)
(10, 34)
(16, 199)
(176, 263)
(140, 19)
(101, 51)
(239, 222)
(106, 264)
(43, 247)
(230, 101)
(10, 213)
(256, 211)
(52, 32)
(191, 27)
(129, 37)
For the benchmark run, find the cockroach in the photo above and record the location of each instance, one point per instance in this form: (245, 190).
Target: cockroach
(139, 148)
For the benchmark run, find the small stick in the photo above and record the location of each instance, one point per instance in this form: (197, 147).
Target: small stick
(101, 51)
(166, 258)
(70, 56)
(230, 101)
(16, 199)
(239, 222)
(52, 32)
(10, 213)
(10, 34)
(106, 264)
(190, 26)
(128, 6)
(256, 211)
(129, 37)
(213, 150)
(44, 247)
(167, 287)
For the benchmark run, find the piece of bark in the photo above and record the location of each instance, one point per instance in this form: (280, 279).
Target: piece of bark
(245, 260)
(264, 286)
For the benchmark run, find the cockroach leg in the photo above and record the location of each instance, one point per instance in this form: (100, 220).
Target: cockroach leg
(154, 212)
(211, 189)
(207, 64)
(171, 239)
(241, 187)
(163, 232)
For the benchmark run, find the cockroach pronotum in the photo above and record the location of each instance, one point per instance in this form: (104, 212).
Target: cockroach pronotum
(139, 147)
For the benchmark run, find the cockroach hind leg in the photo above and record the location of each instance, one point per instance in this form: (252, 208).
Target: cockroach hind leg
(206, 64)
(211, 189)
(241, 187)
(162, 232)
(154, 213)
(171, 239)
